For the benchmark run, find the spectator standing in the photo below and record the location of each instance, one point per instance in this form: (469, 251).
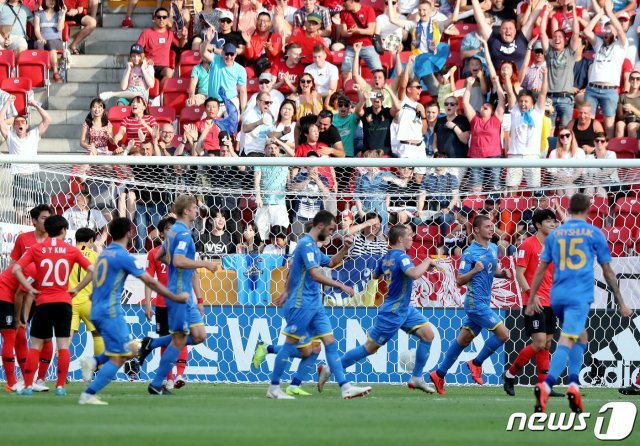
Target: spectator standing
(96, 130)
(225, 73)
(441, 187)
(376, 121)
(208, 17)
(246, 12)
(48, 24)
(228, 34)
(358, 24)
(81, 215)
(258, 122)
(137, 78)
(452, 134)
(531, 75)
(79, 12)
(15, 15)
(270, 183)
(312, 7)
(585, 127)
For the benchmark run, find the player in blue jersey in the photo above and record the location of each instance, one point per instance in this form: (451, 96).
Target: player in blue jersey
(111, 270)
(397, 269)
(303, 308)
(573, 248)
(478, 266)
(185, 320)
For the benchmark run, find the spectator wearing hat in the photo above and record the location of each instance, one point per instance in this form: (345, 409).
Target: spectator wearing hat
(199, 84)
(288, 70)
(325, 74)
(358, 24)
(346, 121)
(309, 37)
(263, 43)
(157, 42)
(227, 33)
(631, 30)
(225, 73)
(531, 76)
(266, 82)
(258, 122)
(376, 120)
(310, 7)
(137, 78)
(83, 14)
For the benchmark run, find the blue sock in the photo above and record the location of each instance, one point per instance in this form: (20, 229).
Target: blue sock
(273, 349)
(575, 362)
(333, 359)
(558, 364)
(422, 354)
(167, 361)
(103, 377)
(305, 368)
(492, 344)
(101, 359)
(453, 352)
(354, 355)
(282, 359)
(162, 341)
(296, 353)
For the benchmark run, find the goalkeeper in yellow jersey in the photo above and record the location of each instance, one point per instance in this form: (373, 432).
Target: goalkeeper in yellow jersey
(81, 303)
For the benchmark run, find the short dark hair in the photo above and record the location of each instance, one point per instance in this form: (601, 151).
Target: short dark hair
(433, 103)
(265, 13)
(541, 215)
(277, 232)
(325, 114)
(167, 221)
(55, 224)
(208, 100)
(161, 8)
(84, 235)
(119, 228)
(579, 204)
(318, 49)
(368, 216)
(396, 232)
(39, 209)
(479, 220)
(379, 70)
(323, 218)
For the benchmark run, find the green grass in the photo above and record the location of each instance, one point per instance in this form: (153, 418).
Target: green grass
(241, 415)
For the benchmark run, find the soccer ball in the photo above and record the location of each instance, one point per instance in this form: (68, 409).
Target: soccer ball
(407, 360)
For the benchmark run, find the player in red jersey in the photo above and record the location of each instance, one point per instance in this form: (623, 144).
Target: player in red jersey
(12, 299)
(24, 241)
(53, 260)
(541, 326)
(158, 269)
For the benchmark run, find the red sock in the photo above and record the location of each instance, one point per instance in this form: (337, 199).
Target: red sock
(181, 364)
(8, 359)
(543, 361)
(523, 358)
(21, 347)
(170, 374)
(46, 354)
(64, 359)
(31, 367)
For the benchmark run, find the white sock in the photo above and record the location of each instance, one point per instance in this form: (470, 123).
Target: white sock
(508, 374)
(345, 386)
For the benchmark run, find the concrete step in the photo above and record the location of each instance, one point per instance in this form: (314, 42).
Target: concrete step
(99, 61)
(97, 75)
(109, 35)
(70, 102)
(106, 47)
(140, 19)
(62, 117)
(65, 131)
(122, 9)
(82, 89)
(59, 145)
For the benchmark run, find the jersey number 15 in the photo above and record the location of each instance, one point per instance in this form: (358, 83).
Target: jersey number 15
(567, 255)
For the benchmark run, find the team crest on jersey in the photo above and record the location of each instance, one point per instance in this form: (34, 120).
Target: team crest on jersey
(310, 257)
(405, 262)
(521, 254)
(182, 245)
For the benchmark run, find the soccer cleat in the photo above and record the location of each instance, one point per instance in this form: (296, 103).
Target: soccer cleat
(27, 391)
(542, 397)
(39, 386)
(60, 391)
(127, 23)
(88, 365)
(476, 372)
(162, 390)
(631, 390)
(180, 382)
(94, 400)
(575, 399)
(355, 392)
(554, 394)
(16, 388)
(259, 355)
(508, 384)
(324, 373)
(420, 384)
(297, 391)
(437, 382)
(170, 384)
(145, 350)
(276, 393)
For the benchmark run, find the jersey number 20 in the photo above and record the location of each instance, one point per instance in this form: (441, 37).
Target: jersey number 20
(55, 274)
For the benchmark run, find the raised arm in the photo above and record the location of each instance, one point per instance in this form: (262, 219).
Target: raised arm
(622, 36)
(542, 96)
(4, 127)
(484, 29)
(501, 97)
(527, 28)
(46, 119)
(469, 112)
(588, 30)
(574, 43)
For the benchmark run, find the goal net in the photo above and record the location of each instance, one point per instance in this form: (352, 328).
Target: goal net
(252, 215)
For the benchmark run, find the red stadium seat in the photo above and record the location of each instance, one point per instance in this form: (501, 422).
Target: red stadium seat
(464, 29)
(175, 92)
(35, 65)
(598, 212)
(188, 60)
(163, 114)
(378, 5)
(116, 115)
(7, 63)
(388, 62)
(338, 57)
(21, 88)
(425, 98)
(475, 202)
(626, 213)
(190, 115)
(154, 91)
(623, 147)
(426, 241)
(252, 85)
(349, 90)
(619, 240)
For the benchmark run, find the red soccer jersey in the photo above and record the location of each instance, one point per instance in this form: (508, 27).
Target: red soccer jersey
(211, 141)
(156, 268)
(24, 241)
(307, 43)
(157, 45)
(529, 258)
(280, 70)
(53, 260)
(365, 15)
(9, 284)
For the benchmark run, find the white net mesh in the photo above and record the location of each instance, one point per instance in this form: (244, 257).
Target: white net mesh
(252, 244)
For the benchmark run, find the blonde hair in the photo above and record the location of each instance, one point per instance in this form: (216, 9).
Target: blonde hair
(376, 153)
(182, 203)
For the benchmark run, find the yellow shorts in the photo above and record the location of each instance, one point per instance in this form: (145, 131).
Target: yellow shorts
(81, 311)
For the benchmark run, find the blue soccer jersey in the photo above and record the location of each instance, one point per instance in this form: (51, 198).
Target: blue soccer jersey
(478, 294)
(393, 267)
(112, 267)
(304, 292)
(179, 241)
(572, 248)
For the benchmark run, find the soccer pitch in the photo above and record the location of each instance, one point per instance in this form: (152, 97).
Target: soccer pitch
(242, 415)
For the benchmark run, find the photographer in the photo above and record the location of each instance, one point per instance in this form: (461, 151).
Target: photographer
(376, 120)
